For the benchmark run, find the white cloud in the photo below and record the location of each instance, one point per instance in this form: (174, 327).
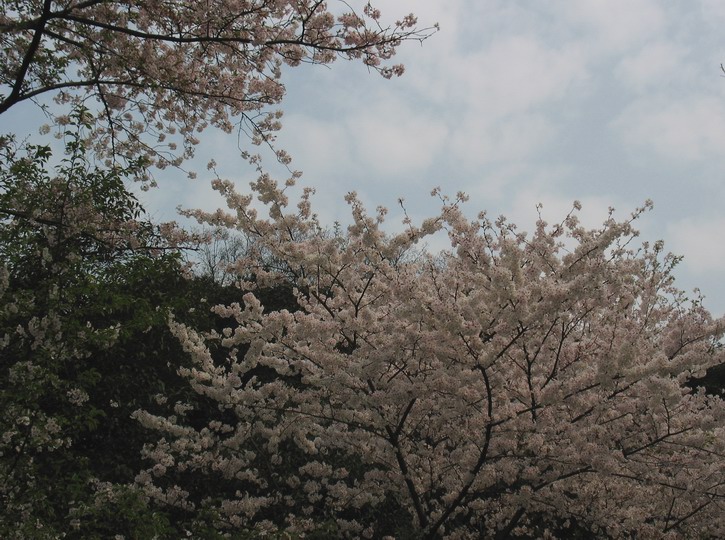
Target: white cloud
(700, 240)
(492, 99)
(479, 142)
(612, 26)
(655, 65)
(315, 144)
(689, 129)
(390, 137)
(713, 11)
(515, 74)
(485, 189)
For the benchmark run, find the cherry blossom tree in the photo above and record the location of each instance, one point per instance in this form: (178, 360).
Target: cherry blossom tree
(514, 386)
(161, 72)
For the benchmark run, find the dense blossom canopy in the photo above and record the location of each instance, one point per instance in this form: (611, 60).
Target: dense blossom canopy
(513, 386)
(162, 71)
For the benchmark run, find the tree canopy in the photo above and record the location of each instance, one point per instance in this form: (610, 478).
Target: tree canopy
(303, 382)
(160, 72)
(509, 387)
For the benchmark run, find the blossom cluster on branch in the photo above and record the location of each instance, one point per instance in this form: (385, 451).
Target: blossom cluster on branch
(161, 72)
(514, 385)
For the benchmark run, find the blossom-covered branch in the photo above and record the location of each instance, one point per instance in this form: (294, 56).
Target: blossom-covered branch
(163, 71)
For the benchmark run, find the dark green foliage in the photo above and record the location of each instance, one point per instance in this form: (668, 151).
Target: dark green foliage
(86, 288)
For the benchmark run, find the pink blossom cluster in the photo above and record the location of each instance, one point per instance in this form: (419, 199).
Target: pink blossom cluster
(509, 386)
(161, 72)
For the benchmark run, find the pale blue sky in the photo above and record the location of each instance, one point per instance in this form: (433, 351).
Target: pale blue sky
(514, 102)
